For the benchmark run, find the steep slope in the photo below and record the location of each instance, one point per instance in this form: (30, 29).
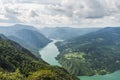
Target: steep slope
(17, 63)
(32, 40)
(91, 54)
(27, 36)
(64, 33)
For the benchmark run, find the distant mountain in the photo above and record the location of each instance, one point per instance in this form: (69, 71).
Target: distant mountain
(17, 63)
(27, 36)
(11, 30)
(32, 40)
(65, 32)
(91, 54)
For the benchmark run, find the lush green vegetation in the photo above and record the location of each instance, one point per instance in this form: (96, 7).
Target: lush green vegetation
(17, 63)
(11, 76)
(91, 54)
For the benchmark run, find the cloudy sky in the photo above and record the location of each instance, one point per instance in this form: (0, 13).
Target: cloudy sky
(74, 13)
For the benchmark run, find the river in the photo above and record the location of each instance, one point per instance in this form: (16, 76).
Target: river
(113, 76)
(49, 52)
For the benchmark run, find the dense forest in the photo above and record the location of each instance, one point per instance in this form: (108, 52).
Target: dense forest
(91, 54)
(17, 63)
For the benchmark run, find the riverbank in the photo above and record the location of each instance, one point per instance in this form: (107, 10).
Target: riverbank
(113, 76)
(49, 52)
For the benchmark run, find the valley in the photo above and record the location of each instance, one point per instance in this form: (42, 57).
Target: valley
(59, 39)
(49, 55)
(85, 56)
(22, 63)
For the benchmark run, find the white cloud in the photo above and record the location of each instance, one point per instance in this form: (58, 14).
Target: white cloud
(82, 13)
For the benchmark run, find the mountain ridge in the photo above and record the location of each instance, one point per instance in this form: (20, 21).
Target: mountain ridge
(31, 39)
(65, 33)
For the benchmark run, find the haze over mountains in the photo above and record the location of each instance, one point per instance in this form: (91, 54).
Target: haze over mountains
(65, 33)
(27, 36)
(11, 30)
(59, 40)
(30, 39)
(33, 39)
(84, 51)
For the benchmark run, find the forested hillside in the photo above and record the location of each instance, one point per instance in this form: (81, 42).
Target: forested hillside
(17, 63)
(91, 54)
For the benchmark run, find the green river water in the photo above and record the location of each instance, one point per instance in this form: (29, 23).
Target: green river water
(49, 53)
